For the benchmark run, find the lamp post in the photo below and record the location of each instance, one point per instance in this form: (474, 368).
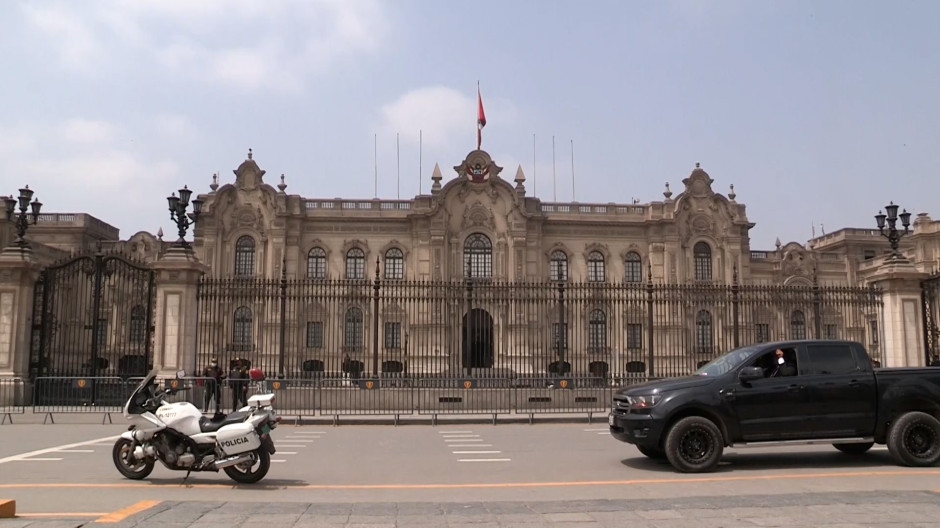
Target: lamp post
(178, 205)
(21, 219)
(891, 231)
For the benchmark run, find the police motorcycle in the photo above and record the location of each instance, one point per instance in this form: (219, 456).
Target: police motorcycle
(180, 437)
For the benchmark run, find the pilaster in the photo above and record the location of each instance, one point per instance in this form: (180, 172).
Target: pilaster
(19, 272)
(903, 322)
(177, 277)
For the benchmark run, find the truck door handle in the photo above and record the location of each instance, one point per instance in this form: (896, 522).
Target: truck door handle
(727, 393)
(795, 388)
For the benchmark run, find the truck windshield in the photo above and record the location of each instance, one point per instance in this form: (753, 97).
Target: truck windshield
(727, 361)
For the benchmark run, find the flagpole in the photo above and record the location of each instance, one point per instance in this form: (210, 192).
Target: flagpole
(420, 159)
(533, 166)
(398, 161)
(375, 163)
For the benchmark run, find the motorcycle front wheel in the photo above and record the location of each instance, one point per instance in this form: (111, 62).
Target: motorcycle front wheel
(127, 464)
(251, 472)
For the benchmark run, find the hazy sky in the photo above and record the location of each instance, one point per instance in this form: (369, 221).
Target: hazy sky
(818, 112)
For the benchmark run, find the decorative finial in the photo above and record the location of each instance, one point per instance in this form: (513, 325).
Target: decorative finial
(778, 244)
(698, 165)
(160, 233)
(436, 177)
(249, 153)
(667, 193)
(215, 182)
(281, 186)
(731, 194)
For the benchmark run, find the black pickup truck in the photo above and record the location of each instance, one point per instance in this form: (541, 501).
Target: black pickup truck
(788, 392)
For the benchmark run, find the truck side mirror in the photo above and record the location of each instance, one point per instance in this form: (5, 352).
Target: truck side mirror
(750, 374)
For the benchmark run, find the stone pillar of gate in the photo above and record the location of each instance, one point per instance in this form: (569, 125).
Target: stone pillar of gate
(177, 278)
(902, 335)
(19, 272)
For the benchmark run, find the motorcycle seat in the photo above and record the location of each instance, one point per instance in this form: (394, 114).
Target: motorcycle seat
(208, 425)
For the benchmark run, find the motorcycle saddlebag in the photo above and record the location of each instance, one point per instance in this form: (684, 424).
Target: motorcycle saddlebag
(238, 438)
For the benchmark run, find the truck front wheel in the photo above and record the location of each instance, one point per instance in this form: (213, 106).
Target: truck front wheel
(694, 445)
(914, 439)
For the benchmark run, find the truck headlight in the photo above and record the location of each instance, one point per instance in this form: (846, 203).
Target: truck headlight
(644, 401)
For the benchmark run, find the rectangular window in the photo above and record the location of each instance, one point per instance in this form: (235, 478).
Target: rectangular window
(558, 270)
(869, 254)
(102, 333)
(559, 340)
(393, 336)
(873, 328)
(832, 359)
(634, 336)
(314, 334)
(762, 332)
(597, 337)
(595, 271)
(830, 331)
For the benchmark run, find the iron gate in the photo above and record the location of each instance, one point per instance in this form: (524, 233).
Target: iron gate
(93, 317)
(930, 295)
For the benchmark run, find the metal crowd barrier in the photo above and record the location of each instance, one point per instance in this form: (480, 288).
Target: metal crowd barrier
(54, 395)
(299, 397)
(12, 398)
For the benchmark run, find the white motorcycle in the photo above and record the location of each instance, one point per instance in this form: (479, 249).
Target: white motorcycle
(179, 436)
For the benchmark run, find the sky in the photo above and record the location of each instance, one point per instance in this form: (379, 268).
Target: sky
(818, 112)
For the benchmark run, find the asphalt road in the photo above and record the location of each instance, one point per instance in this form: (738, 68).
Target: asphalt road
(574, 464)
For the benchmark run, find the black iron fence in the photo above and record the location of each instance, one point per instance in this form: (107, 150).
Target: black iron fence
(12, 398)
(930, 296)
(482, 329)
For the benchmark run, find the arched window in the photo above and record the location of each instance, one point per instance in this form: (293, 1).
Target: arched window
(597, 331)
(558, 266)
(797, 325)
(702, 256)
(355, 264)
(137, 333)
(633, 267)
(241, 329)
(394, 264)
(316, 263)
(595, 267)
(245, 256)
(352, 337)
(703, 332)
(478, 256)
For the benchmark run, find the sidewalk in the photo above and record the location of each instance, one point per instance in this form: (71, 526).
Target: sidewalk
(832, 510)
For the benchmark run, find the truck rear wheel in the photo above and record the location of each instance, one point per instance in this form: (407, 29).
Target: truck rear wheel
(694, 445)
(914, 439)
(854, 449)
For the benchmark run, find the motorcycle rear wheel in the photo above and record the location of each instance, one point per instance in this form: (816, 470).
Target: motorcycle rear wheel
(127, 464)
(250, 472)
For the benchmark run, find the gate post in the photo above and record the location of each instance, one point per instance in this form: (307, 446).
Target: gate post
(903, 322)
(19, 272)
(175, 323)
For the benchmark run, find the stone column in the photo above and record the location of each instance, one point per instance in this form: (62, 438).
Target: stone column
(177, 278)
(902, 336)
(19, 272)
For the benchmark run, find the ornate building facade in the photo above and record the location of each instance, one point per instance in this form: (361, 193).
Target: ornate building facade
(475, 278)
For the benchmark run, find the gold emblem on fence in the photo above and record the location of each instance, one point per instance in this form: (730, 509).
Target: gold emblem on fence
(467, 384)
(276, 385)
(174, 384)
(81, 383)
(370, 384)
(563, 384)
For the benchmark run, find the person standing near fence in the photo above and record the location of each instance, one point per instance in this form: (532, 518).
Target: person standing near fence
(213, 379)
(238, 379)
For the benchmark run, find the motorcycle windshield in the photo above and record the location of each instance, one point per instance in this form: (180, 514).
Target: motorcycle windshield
(143, 392)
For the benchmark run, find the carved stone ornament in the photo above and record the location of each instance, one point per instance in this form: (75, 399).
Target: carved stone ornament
(701, 224)
(478, 167)
(699, 183)
(797, 263)
(478, 215)
(248, 175)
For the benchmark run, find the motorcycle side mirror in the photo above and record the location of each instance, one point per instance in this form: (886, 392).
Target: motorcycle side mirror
(180, 374)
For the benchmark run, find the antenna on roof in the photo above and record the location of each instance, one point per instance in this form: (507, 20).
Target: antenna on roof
(398, 161)
(554, 187)
(533, 165)
(572, 171)
(375, 163)
(420, 138)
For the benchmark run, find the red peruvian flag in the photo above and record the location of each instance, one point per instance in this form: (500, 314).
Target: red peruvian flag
(481, 117)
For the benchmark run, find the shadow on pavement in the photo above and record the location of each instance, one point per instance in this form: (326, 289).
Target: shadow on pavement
(742, 460)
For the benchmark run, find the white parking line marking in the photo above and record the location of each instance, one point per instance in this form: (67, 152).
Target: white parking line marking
(24, 456)
(36, 460)
(273, 461)
(301, 440)
(462, 436)
(307, 432)
(75, 451)
(592, 430)
(470, 445)
(476, 452)
(605, 433)
(484, 459)
(292, 446)
(463, 439)
(287, 452)
(454, 432)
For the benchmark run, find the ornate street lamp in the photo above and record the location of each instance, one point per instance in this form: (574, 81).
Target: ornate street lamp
(21, 219)
(178, 205)
(891, 231)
